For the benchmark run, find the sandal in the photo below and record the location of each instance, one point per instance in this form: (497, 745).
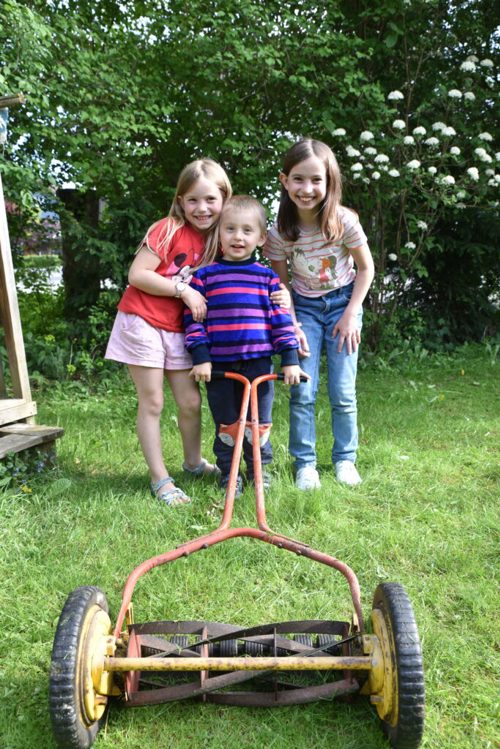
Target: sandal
(203, 469)
(172, 496)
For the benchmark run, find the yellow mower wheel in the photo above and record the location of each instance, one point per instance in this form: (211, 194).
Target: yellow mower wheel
(400, 693)
(79, 688)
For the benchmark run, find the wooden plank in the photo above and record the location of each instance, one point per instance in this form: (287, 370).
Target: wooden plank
(41, 431)
(19, 437)
(9, 310)
(15, 410)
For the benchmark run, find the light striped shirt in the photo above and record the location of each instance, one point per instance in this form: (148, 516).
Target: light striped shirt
(317, 266)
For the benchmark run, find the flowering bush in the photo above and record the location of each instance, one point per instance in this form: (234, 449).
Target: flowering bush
(404, 181)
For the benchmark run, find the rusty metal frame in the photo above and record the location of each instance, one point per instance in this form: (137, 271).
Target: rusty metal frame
(222, 533)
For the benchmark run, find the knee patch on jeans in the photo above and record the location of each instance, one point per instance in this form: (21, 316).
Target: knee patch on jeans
(264, 433)
(227, 433)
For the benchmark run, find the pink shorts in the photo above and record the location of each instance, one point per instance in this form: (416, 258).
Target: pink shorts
(134, 341)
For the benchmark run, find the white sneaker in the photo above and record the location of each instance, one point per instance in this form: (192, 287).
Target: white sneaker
(307, 478)
(347, 473)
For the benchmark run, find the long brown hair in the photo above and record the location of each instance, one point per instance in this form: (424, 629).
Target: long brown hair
(211, 171)
(329, 219)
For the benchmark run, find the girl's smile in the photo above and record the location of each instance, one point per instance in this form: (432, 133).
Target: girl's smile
(202, 204)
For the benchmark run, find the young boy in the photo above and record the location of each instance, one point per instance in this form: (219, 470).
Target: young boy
(242, 329)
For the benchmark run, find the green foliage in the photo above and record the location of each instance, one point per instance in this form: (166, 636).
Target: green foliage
(69, 350)
(18, 469)
(121, 95)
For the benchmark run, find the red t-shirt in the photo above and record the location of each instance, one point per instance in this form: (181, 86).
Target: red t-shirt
(182, 254)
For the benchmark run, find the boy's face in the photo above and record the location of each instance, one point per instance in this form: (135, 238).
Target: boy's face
(240, 233)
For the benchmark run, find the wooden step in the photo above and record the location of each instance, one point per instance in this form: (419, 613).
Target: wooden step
(17, 437)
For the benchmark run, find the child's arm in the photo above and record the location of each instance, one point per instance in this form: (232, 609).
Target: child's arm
(347, 327)
(280, 267)
(142, 275)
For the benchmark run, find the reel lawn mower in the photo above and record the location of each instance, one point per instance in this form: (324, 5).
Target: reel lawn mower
(270, 665)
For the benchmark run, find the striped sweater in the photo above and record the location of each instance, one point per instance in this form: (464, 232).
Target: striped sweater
(241, 322)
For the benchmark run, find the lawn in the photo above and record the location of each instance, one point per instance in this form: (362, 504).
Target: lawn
(425, 516)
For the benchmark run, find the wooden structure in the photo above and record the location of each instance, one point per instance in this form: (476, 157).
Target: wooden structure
(18, 430)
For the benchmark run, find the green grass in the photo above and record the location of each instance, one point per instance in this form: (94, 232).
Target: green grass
(425, 516)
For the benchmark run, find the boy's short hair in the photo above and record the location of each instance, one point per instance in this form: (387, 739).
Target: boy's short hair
(245, 203)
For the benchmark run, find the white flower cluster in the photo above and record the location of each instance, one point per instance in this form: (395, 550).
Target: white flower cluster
(357, 167)
(469, 66)
(413, 164)
(352, 152)
(485, 136)
(483, 155)
(366, 135)
(487, 63)
(454, 93)
(473, 173)
(448, 180)
(432, 141)
(381, 159)
(469, 96)
(410, 246)
(422, 225)
(419, 130)
(339, 131)
(408, 140)
(370, 151)
(399, 124)
(395, 96)
(455, 151)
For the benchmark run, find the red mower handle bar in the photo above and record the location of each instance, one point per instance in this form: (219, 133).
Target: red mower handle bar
(274, 376)
(224, 531)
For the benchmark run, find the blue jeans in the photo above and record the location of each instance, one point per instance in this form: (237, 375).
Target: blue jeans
(318, 318)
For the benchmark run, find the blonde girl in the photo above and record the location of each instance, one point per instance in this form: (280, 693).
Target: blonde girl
(148, 331)
(321, 246)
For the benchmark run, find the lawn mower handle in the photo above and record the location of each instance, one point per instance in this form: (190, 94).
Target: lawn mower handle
(271, 376)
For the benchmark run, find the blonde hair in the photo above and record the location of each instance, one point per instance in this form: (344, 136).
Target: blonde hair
(329, 218)
(213, 172)
(247, 203)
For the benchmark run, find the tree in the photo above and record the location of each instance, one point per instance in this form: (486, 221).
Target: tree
(122, 94)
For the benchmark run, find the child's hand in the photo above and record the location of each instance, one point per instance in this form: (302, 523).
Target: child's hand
(202, 372)
(282, 297)
(304, 350)
(348, 333)
(196, 303)
(292, 374)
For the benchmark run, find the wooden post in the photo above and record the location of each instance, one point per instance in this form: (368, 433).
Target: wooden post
(21, 405)
(18, 430)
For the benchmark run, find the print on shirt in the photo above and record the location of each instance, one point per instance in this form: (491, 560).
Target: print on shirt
(318, 272)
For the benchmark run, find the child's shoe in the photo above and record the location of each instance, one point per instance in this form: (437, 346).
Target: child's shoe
(307, 478)
(347, 473)
(266, 480)
(168, 493)
(203, 469)
(224, 481)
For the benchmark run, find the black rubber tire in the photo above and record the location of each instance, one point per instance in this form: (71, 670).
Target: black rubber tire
(71, 728)
(405, 729)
